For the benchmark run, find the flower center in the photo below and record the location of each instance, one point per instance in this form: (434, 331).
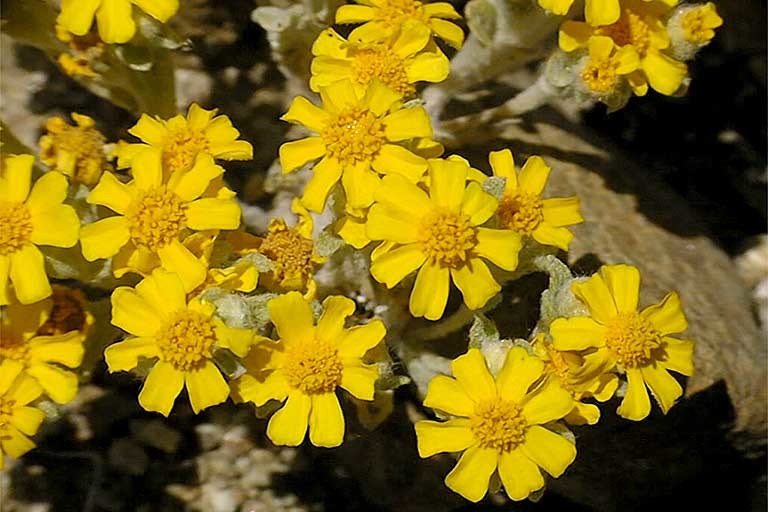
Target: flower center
(447, 238)
(395, 12)
(521, 212)
(600, 74)
(313, 367)
(186, 340)
(181, 147)
(629, 29)
(67, 314)
(290, 254)
(355, 135)
(694, 29)
(632, 339)
(499, 425)
(15, 349)
(77, 151)
(15, 227)
(379, 61)
(155, 218)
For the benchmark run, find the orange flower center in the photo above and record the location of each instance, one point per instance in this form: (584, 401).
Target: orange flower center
(15, 227)
(181, 147)
(447, 238)
(377, 60)
(186, 340)
(290, 254)
(521, 212)
(629, 29)
(155, 218)
(314, 367)
(632, 339)
(499, 425)
(353, 136)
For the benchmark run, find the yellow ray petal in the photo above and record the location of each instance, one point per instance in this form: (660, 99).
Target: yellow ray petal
(434, 437)
(326, 421)
(160, 389)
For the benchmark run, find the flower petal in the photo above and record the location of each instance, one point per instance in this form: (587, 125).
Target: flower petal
(562, 211)
(338, 96)
(164, 291)
(59, 384)
(161, 10)
(666, 390)
(678, 355)
(30, 282)
(547, 234)
(552, 452)
(518, 374)
(124, 356)
(549, 402)
(434, 437)
(623, 281)
(147, 169)
(354, 14)
(16, 178)
(446, 394)
(250, 389)
(407, 123)
(160, 389)
(391, 267)
(428, 67)
(471, 371)
(64, 349)
(27, 419)
(288, 426)
(104, 238)
(49, 190)
(133, 314)
(112, 193)
(360, 184)
(667, 316)
(213, 213)
(430, 291)
(77, 15)
(379, 99)
(58, 226)
(601, 12)
(636, 405)
(577, 333)
(177, 258)
(595, 294)
(292, 317)
(205, 387)
(471, 475)
(533, 176)
(149, 130)
(447, 183)
(336, 309)
(299, 152)
(519, 475)
(191, 184)
(325, 174)
(360, 381)
(393, 159)
(476, 283)
(326, 421)
(115, 21)
(448, 32)
(356, 341)
(398, 193)
(500, 246)
(478, 204)
(14, 443)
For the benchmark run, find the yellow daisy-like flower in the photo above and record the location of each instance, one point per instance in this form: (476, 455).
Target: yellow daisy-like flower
(17, 418)
(75, 151)
(399, 62)
(114, 17)
(182, 336)
(29, 218)
(637, 343)
(357, 137)
(45, 358)
(307, 365)
(523, 211)
(596, 12)
(698, 23)
(153, 215)
(642, 26)
(181, 139)
(604, 71)
(438, 232)
(580, 375)
(383, 18)
(498, 425)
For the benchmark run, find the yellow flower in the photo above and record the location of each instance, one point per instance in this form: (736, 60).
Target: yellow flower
(640, 25)
(523, 211)
(695, 24)
(399, 62)
(153, 215)
(638, 343)
(604, 71)
(182, 336)
(75, 151)
(438, 233)
(357, 135)
(114, 17)
(580, 376)
(382, 18)
(596, 12)
(17, 419)
(306, 366)
(498, 425)
(181, 139)
(28, 219)
(83, 52)
(42, 357)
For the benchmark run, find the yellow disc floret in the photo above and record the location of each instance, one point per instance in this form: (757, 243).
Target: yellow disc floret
(521, 212)
(181, 147)
(76, 151)
(377, 60)
(15, 227)
(155, 218)
(499, 425)
(632, 339)
(697, 26)
(186, 340)
(447, 238)
(289, 252)
(601, 75)
(354, 135)
(313, 367)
